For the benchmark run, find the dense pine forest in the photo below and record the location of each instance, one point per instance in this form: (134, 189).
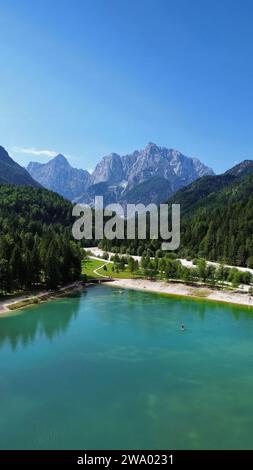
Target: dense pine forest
(36, 245)
(222, 226)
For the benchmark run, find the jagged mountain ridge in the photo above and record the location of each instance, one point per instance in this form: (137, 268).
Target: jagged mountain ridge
(121, 175)
(144, 164)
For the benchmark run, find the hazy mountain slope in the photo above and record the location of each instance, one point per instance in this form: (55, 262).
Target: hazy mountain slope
(12, 173)
(153, 190)
(110, 194)
(57, 175)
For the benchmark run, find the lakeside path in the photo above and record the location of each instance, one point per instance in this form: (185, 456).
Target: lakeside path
(184, 290)
(40, 296)
(100, 267)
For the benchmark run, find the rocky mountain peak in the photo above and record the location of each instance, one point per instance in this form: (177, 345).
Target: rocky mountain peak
(59, 176)
(109, 169)
(60, 159)
(151, 146)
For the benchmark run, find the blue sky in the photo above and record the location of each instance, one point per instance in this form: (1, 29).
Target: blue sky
(89, 77)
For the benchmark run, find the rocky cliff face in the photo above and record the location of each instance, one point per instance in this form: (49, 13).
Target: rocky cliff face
(147, 163)
(122, 174)
(60, 177)
(134, 170)
(109, 170)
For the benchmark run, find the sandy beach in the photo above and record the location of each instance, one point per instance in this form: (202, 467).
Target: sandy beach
(145, 285)
(236, 297)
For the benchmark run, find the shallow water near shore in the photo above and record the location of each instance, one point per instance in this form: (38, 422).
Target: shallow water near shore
(109, 370)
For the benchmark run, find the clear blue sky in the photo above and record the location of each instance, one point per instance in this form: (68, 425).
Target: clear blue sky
(89, 77)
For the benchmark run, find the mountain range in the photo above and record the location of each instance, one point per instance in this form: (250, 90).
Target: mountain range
(216, 210)
(148, 175)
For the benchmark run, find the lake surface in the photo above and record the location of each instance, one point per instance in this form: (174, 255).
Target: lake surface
(104, 370)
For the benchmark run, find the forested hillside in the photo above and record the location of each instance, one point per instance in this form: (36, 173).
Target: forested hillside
(221, 228)
(216, 219)
(36, 246)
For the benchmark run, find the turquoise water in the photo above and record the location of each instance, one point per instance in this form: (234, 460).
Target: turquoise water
(105, 370)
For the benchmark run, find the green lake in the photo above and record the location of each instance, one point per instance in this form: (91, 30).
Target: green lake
(111, 370)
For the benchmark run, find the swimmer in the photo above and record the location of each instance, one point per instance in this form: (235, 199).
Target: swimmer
(182, 327)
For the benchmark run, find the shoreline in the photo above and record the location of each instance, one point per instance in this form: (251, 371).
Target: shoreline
(185, 291)
(15, 304)
(175, 289)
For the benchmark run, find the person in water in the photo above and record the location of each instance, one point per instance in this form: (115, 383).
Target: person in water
(182, 327)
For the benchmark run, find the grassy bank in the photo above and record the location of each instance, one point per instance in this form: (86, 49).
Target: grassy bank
(93, 268)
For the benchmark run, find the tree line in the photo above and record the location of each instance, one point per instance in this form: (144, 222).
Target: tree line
(170, 268)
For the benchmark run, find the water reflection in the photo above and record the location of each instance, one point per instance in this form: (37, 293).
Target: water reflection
(49, 320)
(147, 312)
(155, 314)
